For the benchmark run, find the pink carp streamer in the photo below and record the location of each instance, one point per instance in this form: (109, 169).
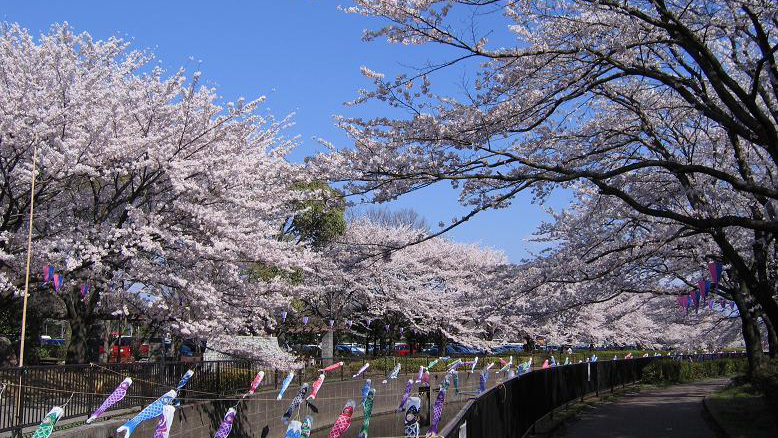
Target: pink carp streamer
(343, 421)
(361, 370)
(116, 396)
(226, 427)
(507, 365)
(165, 422)
(256, 382)
(336, 365)
(316, 385)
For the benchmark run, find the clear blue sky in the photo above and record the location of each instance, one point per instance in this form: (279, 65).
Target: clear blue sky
(304, 55)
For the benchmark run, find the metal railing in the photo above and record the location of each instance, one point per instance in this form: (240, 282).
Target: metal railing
(31, 391)
(512, 408)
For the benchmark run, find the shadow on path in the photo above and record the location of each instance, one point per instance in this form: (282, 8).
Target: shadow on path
(674, 412)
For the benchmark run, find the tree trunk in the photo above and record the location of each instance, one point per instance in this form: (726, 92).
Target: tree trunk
(441, 341)
(751, 335)
(327, 348)
(81, 317)
(772, 337)
(749, 281)
(77, 347)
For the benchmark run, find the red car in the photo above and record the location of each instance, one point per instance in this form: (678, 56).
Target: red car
(121, 349)
(402, 349)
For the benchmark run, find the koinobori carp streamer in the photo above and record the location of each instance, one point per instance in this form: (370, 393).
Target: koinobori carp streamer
(151, 411)
(343, 421)
(285, 384)
(116, 396)
(316, 385)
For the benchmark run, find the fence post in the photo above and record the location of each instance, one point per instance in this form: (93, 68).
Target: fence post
(583, 387)
(93, 387)
(20, 405)
(219, 375)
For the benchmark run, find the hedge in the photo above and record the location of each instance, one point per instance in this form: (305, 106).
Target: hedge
(667, 371)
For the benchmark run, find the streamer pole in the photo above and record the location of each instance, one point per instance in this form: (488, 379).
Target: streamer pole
(29, 255)
(26, 285)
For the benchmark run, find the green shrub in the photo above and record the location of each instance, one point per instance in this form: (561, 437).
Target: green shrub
(766, 379)
(668, 371)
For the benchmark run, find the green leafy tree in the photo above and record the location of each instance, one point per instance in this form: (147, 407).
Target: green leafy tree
(322, 215)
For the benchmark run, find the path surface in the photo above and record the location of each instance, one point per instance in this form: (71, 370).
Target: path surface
(674, 412)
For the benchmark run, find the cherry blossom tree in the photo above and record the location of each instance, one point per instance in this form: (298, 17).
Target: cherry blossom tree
(147, 189)
(431, 287)
(667, 108)
(614, 276)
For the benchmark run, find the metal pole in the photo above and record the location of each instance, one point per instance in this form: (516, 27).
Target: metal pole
(29, 255)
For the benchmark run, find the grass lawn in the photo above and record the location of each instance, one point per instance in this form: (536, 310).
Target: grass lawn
(743, 412)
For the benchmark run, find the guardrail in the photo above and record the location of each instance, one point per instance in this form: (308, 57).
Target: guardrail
(512, 408)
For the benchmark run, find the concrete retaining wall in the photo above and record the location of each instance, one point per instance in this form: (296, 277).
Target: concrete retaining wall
(200, 420)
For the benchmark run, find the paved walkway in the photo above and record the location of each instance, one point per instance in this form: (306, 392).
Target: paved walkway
(674, 412)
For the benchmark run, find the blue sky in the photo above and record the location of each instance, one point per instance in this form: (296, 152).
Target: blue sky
(304, 55)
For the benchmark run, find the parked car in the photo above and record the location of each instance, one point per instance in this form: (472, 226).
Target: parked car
(156, 347)
(430, 349)
(191, 350)
(48, 340)
(508, 348)
(402, 349)
(310, 350)
(348, 350)
(121, 350)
